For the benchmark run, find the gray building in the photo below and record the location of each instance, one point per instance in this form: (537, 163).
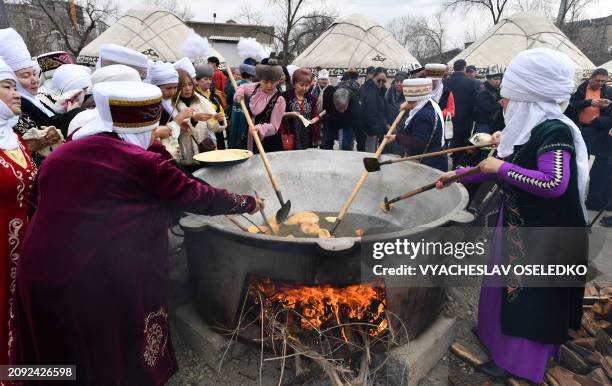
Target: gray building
(40, 33)
(224, 37)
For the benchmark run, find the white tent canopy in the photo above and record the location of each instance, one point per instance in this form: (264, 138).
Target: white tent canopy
(157, 33)
(607, 66)
(517, 33)
(355, 41)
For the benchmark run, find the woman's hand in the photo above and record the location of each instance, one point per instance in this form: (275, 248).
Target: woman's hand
(496, 137)
(390, 138)
(407, 106)
(314, 120)
(202, 117)
(220, 117)
(183, 115)
(490, 165)
(162, 132)
(441, 182)
(259, 205)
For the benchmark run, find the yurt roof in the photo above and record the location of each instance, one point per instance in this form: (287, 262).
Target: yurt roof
(516, 33)
(155, 32)
(355, 41)
(607, 66)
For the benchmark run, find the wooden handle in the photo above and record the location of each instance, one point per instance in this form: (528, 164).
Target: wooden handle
(255, 134)
(433, 185)
(363, 177)
(435, 153)
(235, 222)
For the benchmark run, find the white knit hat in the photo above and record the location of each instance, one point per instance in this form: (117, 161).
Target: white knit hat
(162, 73)
(115, 72)
(186, 65)
(14, 50)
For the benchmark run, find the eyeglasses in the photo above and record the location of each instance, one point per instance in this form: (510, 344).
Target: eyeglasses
(380, 81)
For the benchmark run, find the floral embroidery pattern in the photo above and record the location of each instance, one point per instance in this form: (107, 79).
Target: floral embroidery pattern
(156, 336)
(239, 201)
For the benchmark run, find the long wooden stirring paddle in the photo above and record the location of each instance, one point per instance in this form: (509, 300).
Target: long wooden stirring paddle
(283, 212)
(363, 177)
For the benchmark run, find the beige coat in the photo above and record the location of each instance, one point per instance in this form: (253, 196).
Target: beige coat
(198, 132)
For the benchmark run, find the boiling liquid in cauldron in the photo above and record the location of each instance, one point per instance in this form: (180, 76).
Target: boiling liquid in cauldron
(351, 226)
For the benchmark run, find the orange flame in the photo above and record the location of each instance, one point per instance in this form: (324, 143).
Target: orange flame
(319, 305)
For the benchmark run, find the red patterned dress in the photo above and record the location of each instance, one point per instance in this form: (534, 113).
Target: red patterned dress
(17, 171)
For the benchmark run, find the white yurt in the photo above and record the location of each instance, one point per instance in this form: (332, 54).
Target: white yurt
(519, 32)
(355, 41)
(157, 33)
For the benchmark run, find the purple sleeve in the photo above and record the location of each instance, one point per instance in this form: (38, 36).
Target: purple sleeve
(474, 178)
(550, 180)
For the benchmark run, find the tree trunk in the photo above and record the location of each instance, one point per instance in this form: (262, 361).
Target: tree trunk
(3, 16)
(561, 14)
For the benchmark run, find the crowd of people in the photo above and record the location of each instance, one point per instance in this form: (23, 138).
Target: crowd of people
(94, 165)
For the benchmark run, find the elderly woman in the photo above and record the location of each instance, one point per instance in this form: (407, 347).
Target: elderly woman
(300, 102)
(17, 173)
(541, 171)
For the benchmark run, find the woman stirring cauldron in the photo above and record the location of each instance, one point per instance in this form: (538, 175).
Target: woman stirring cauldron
(542, 173)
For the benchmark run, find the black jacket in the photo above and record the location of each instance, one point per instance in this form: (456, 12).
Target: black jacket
(336, 120)
(374, 110)
(578, 101)
(488, 109)
(464, 91)
(60, 121)
(393, 100)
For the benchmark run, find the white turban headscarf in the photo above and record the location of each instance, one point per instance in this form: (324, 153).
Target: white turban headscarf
(8, 119)
(538, 84)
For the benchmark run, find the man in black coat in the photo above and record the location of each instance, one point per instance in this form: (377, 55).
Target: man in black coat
(591, 109)
(343, 113)
(464, 90)
(374, 108)
(489, 112)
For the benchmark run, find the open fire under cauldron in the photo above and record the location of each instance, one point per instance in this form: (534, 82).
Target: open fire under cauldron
(226, 264)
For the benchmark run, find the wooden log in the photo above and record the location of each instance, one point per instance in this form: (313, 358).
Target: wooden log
(606, 365)
(599, 375)
(467, 355)
(582, 351)
(563, 377)
(604, 342)
(551, 381)
(588, 323)
(573, 362)
(586, 381)
(588, 343)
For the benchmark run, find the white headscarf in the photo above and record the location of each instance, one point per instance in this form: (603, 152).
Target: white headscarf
(438, 90)
(15, 53)
(8, 119)
(538, 84)
(70, 77)
(185, 65)
(115, 72)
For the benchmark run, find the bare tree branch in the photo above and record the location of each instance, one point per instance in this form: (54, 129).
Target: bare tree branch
(496, 10)
(183, 12)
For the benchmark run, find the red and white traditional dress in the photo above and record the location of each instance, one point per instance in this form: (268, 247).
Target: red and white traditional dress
(17, 171)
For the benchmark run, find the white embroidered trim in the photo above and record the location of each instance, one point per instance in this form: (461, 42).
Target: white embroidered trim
(551, 184)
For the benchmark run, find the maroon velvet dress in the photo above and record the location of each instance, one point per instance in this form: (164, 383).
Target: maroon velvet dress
(16, 179)
(93, 278)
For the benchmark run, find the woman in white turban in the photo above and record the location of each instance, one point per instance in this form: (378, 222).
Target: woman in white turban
(17, 171)
(541, 171)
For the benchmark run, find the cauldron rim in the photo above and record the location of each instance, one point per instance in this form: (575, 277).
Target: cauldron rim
(196, 223)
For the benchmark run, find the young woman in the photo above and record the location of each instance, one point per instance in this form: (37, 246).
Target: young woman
(197, 135)
(301, 102)
(266, 104)
(206, 88)
(541, 171)
(17, 171)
